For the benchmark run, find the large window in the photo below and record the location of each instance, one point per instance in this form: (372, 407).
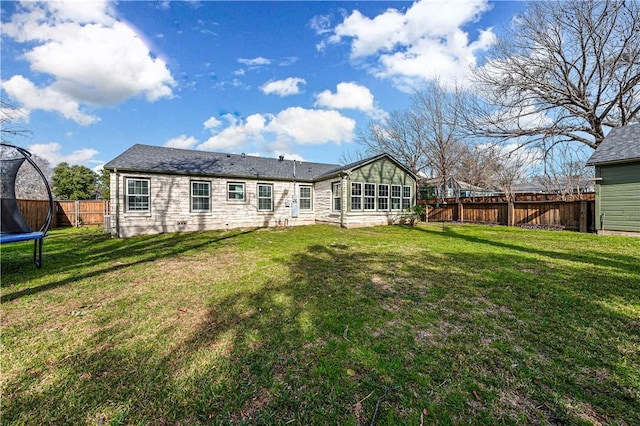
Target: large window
(369, 196)
(200, 196)
(137, 195)
(396, 197)
(336, 191)
(305, 197)
(265, 197)
(356, 196)
(235, 191)
(406, 197)
(383, 197)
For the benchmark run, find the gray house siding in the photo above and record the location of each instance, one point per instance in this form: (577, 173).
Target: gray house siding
(618, 197)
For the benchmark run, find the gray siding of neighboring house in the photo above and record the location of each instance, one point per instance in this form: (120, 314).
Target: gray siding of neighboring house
(618, 197)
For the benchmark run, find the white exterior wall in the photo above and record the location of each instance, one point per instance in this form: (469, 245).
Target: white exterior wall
(324, 202)
(170, 206)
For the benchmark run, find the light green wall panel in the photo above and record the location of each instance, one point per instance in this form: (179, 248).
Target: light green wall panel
(618, 197)
(382, 171)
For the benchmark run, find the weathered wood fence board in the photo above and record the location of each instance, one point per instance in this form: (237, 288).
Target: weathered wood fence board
(66, 213)
(545, 212)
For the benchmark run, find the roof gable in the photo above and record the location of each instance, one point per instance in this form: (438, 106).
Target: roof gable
(622, 144)
(361, 163)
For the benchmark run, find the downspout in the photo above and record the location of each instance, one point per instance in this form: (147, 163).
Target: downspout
(115, 170)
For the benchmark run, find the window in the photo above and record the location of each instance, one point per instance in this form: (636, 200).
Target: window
(369, 196)
(305, 197)
(383, 197)
(356, 196)
(200, 196)
(406, 197)
(137, 196)
(235, 191)
(336, 190)
(396, 197)
(265, 197)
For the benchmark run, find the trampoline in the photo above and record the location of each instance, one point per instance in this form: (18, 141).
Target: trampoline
(14, 227)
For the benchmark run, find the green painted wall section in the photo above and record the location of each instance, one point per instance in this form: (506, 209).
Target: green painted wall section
(382, 171)
(618, 197)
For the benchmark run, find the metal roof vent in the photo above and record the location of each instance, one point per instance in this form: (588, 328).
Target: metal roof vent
(281, 158)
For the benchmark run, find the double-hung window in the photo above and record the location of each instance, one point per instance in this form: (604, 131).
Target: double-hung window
(396, 197)
(369, 196)
(265, 197)
(356, 196)
(235, 191)
(200, 196)
(336, 190)
(138, 195)
(383, 196)
(406, 197)
(306, 195)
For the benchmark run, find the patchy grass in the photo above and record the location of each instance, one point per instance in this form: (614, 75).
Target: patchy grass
(321, 325)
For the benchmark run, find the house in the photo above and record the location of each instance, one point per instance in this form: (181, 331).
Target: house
(157, 189)
(434, 188)
(617, 176)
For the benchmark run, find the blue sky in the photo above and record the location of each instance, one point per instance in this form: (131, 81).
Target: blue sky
(263, 78)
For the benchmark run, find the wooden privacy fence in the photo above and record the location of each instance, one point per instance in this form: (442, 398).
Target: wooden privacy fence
(575, 215)
(66, 213)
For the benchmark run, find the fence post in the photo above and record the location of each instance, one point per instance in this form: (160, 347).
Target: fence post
(460, 211)
(583, 217)
(511, 214)
(77, 205)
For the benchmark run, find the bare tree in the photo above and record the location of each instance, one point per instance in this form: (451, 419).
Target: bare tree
(403, 135)
(29, 185)
(479, 165)
(440, 112)
(10, 116)
(563, 72)
(565, 173)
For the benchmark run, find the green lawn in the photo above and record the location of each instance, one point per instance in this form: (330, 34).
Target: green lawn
(322, 325)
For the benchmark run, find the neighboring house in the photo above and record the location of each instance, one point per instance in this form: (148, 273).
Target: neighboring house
(617, 163)
(435, 188)
(156, 189)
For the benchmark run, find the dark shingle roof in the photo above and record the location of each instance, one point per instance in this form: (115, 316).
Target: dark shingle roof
(156, 159)
(622, 144)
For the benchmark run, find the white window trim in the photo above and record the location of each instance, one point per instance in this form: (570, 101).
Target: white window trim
(191, 196)
(351, 196)
(244, 192)
(310, 198)
(365, 197)
(391, 197)
(258, 198)
(410, 197)
(387, 197)
(336, 194)
(127, 195)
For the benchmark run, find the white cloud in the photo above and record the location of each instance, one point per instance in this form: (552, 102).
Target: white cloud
(254, 62)
(182, 141)
(350, 96)
(237, 134)
(286, 87)
(50, 98)
(312, 126)
(425, 42)
(212, 123)
(291, 126)
(80, 45)
(52, 153)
